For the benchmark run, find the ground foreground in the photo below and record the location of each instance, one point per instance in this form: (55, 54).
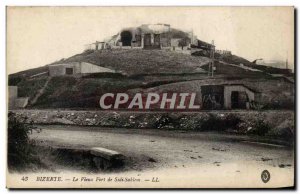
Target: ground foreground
(176, 158)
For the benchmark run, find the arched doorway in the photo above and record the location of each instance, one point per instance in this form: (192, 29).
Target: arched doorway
(126, 38)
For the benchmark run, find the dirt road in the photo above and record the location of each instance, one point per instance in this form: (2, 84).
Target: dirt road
(158, 150)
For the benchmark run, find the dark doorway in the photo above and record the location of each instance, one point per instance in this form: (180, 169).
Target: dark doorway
(239, 99)
(138, 39)
(126, 38)
(147, 40)
(69, 71)
(157, 40)
(234, 99)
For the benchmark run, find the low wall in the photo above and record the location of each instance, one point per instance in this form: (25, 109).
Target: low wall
(279, 121)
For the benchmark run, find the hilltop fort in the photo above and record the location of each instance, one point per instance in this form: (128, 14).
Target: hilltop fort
(153, 58)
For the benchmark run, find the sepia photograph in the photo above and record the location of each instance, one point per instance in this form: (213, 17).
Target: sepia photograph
(173, 97)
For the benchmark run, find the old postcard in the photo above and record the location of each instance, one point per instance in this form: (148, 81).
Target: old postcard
(150, 97)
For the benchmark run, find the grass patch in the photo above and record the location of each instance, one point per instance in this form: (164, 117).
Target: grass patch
(70, 92)
(134, 61)
(28, 88)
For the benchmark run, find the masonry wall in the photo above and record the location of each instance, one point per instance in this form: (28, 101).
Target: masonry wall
(12, 92)
(228, 91)
(12, 95)
(21, 102)
(60, 69)
(13, 101)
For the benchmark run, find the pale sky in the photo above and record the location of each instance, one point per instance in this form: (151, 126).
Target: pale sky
(37, 36)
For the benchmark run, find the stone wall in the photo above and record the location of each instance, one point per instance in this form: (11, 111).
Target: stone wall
(14, 102)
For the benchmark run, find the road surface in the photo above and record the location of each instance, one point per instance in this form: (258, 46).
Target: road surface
(203, 153)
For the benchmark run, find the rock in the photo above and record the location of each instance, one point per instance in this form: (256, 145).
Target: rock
(266, 159)
(62, 121)
(284, 165)
(151, 160)
(106, 153)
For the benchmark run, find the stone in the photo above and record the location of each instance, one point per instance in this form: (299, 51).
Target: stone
(106, 153)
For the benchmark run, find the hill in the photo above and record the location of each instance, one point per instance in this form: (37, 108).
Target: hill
(138, 70)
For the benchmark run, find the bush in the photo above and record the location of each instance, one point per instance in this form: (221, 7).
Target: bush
(215, 123)
(166, 122)
(231, 121)
(20, 150)
(212, 123)
(14, 81)
(260, 128)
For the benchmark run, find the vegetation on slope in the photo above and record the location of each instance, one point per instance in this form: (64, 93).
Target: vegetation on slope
(71, 92)
(137, 61)
(140, 69)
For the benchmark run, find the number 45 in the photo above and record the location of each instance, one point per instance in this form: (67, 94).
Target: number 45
(24, 178)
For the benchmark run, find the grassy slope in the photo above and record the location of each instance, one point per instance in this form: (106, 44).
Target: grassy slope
(144, 67)
(28, 88)
(68, 92)
(268, 69)
(135, 61)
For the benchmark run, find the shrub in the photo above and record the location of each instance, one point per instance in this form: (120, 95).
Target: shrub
(215, 123)
(14, 81)
(260, 128)
(232, 121)
(20, 150)
(212, 123)
(166, 122)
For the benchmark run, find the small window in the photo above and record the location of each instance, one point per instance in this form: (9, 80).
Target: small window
(69, 71)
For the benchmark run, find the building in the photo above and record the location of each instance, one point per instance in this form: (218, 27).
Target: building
(228, 96)
(223, 52)
(152, 36)
(76, 69)
(97, 46)
(146, 36)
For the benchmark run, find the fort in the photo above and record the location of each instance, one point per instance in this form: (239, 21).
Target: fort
(153, 59)
(149, 36)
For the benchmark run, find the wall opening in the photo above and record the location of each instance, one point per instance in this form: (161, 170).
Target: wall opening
(157, 40)
(239, 100)
(147, 40)
(126, 38)
(69, 71)
(212, 97)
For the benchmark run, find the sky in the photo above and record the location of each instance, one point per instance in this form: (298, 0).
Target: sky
(37, 36)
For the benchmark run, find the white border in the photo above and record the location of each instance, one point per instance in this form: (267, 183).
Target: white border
(5, 3)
